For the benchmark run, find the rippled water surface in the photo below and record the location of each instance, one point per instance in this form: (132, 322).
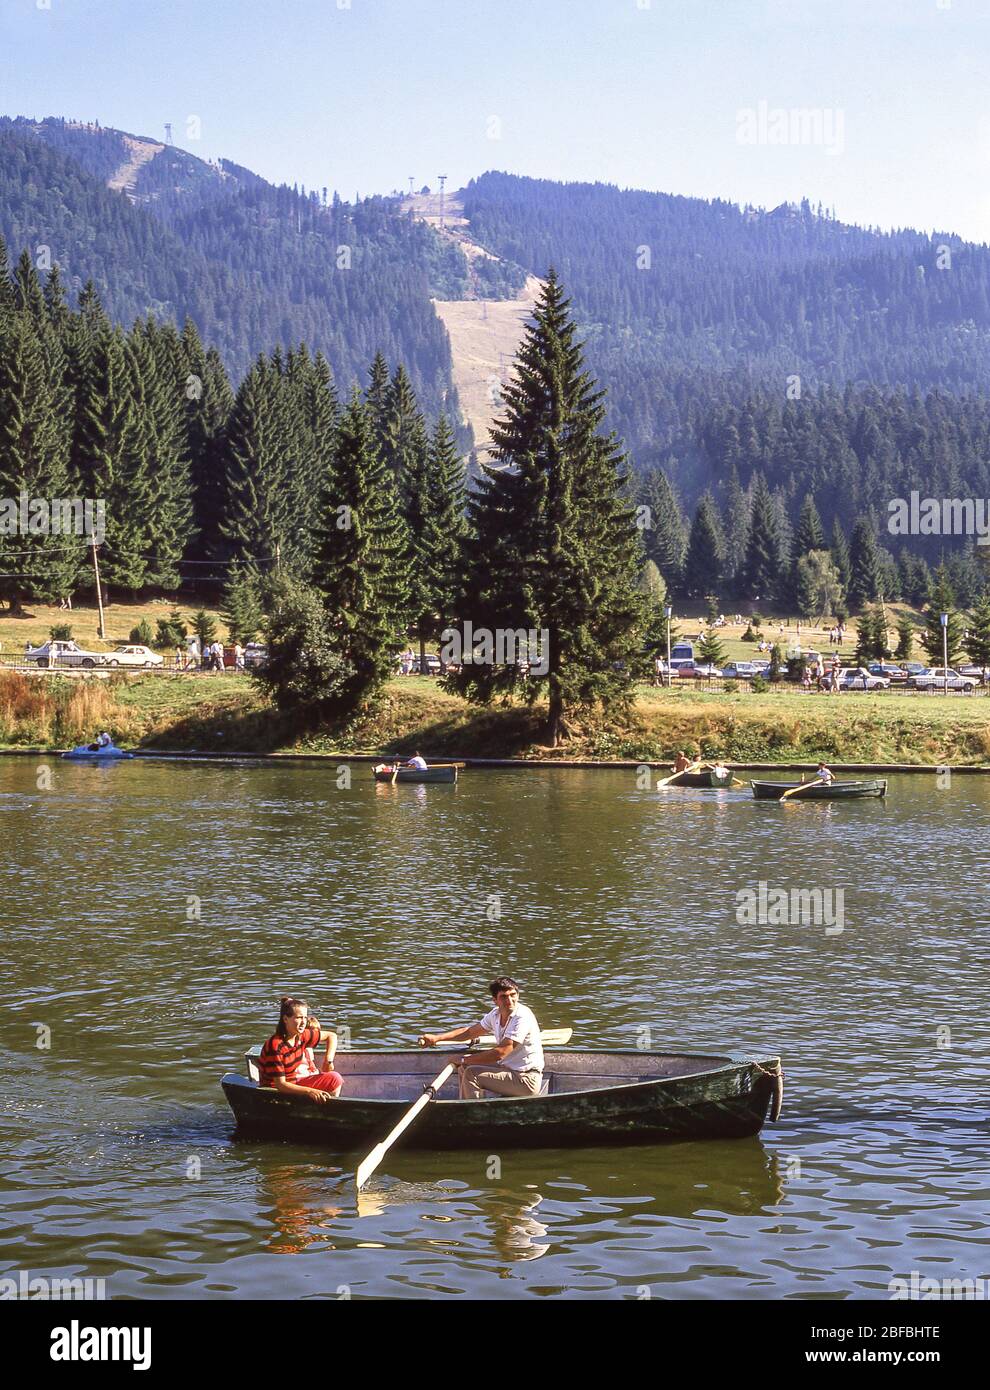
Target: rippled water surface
(618, 913)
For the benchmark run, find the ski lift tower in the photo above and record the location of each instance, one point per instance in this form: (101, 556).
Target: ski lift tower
(168, 132)
(443, 180)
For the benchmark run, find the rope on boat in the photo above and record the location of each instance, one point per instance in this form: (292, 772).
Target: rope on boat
(777, 1099)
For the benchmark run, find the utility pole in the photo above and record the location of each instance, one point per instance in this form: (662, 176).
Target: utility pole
(443, 180)
(411, 177)
(99, 594)
(168, 132)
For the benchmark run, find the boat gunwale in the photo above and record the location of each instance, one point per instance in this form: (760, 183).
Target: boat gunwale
(733, 1063)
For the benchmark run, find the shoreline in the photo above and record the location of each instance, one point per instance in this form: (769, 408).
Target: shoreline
(572, 764)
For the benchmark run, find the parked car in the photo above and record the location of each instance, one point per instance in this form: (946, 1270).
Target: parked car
(684, 670)
(432, 665)
(977, 672)
(59, 653)
(255, 655)
(134, 656)
(942, 678)
(741, 671)
(914, 668)
(896, 675)
(859, 678)
(706, 669)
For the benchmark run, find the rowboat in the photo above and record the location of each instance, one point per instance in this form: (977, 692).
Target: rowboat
(97, 755)
(439, 772)
(587, 1098)
(705, 777)
(822, 791)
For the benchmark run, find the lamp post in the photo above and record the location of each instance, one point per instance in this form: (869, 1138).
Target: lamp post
(669, 612)
(945, 653)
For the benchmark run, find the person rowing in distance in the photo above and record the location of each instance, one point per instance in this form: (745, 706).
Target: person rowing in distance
(417, 761)
(824, 774)
(514, 1066)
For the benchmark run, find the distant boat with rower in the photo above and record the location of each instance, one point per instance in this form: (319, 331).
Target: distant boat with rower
(415, 770)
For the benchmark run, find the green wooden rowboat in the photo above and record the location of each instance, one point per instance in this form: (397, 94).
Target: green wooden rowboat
(439, 772)
(821, 791)
(588, 1098)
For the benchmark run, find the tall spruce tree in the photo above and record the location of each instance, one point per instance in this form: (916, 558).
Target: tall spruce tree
(865, 568)
(705, 550)
(34, 463)
(664, 537)
(762, 567)
(439, 554)
(839, 551)
(260, 515)
(942, 599)
(977, 640)
(552, 546)
(737, 510)
(361, 565)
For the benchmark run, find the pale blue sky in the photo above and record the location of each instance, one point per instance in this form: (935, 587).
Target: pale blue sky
(642, 93)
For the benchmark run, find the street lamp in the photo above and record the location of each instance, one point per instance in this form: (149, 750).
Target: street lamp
(669, 612)
(945, 653)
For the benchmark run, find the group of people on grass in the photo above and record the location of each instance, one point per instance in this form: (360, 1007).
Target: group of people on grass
(208, 658)
(513, 1066)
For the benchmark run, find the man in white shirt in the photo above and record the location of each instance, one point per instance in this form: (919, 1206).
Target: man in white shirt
(417, 761)
(514, 1066)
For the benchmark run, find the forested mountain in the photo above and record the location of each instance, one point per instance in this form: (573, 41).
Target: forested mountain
(690, 307)
(250, 264)
(756, 363)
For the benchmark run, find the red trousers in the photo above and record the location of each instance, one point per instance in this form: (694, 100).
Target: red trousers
(323, 1081)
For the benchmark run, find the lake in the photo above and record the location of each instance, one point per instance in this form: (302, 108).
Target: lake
(153, 912)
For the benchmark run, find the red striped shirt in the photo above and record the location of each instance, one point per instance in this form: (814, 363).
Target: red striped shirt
(281, 1059)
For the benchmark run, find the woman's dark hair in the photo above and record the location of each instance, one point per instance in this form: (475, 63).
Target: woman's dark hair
(501, 982)
(287, 1007)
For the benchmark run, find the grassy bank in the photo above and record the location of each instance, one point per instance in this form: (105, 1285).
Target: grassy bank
(217, 713)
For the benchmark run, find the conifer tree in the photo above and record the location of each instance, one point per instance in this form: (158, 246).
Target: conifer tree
(361, 565)
(440, 552)
(705, 550)
(259, 516)
(114, 469)
(552, 546)
(865, 568)
(33, 461)
(762, 567)
(942, 599)
(840, 555)
(242, 610)
(664, 537)
(905, 638)
(977, 640)
(810, 534)
(737, 513)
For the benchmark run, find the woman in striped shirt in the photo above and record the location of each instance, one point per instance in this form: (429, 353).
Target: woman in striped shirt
(287, 1062)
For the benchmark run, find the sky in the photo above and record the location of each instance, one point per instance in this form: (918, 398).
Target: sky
(879, 109)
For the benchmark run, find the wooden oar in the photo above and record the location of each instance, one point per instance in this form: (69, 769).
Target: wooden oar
(369, 1165)
(550, 1037)
(666, 781)
(793, 791)
(395, 773)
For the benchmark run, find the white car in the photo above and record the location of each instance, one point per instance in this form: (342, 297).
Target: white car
(942, 678)
(859, 678)
(134, 656)
(60, 653)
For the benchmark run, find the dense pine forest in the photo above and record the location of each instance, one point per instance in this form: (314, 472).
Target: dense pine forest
(232, 393)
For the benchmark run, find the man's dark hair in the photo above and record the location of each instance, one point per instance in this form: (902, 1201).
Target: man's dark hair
(501, 982)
